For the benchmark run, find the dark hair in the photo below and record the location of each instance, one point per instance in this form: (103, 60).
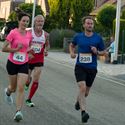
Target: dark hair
(87, 17)
(20, 13)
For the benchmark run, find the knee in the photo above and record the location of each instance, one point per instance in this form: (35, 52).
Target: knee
(82, 88)
(20, 88)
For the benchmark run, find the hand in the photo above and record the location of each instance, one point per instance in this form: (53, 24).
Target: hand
(94, 49)
(46, 53)
(106, 53)
(30, 50)
(73, 55)
(20, 46)
(31, 56)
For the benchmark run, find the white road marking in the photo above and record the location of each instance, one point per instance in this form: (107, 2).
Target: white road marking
(71, 67)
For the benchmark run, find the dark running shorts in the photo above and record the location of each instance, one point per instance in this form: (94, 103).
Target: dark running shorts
(14, 69)
(85, 74)
(32, 66)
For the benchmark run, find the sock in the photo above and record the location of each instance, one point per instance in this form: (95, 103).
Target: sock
(33, 89)
(82, 112)
(28, 82)
(8, 92)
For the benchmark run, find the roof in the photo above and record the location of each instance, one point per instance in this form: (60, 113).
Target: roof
(95, 12)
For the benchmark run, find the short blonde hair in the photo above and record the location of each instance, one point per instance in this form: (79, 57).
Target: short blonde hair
(41, 16)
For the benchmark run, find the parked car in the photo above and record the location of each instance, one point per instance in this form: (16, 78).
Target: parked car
(2, 33)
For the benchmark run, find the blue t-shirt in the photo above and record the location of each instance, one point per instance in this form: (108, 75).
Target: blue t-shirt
(85, 57)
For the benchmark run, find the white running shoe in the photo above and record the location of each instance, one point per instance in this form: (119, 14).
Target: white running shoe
(18, 116)
(8, 99)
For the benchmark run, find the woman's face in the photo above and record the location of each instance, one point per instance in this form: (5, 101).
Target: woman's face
(24, 22)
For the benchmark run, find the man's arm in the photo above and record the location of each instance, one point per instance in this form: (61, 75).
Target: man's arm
(47, 44)
(72, 50)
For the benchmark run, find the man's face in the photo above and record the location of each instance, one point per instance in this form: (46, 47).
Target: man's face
(88, 25)
(39, 22)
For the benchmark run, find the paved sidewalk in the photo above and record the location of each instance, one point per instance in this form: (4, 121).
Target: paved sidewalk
(108, 69)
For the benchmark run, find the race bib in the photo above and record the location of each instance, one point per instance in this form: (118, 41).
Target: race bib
(36, 48)
(85, 58)
(19, 56)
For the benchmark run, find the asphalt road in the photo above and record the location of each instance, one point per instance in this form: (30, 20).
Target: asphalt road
(56, 96)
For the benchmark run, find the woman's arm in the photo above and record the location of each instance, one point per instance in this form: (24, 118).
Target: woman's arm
(6, 47)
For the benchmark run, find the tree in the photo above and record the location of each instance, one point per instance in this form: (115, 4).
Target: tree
(63, 10)
(106, 16)
(80, 8)
(59, 13)
(123, 14)
(28, 8)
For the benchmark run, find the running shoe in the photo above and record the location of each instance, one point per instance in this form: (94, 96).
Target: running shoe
(7, 98)
(77, 106)
(85, 117)
(18, 116)
(29, 103)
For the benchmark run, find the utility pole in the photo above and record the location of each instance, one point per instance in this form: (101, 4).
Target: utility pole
(33, 14)
(117, 29)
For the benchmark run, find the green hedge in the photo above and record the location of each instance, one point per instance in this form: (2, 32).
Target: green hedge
(122, 27)
(57, 37)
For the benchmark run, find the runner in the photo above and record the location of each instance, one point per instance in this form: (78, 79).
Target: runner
(40, 45)
(17, 43)
(89, 45)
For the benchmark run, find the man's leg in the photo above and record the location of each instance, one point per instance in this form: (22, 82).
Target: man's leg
(82, 101)
(34, 87)
(81, 95)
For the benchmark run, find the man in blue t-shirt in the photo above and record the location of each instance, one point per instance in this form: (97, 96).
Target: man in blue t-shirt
(89, 44)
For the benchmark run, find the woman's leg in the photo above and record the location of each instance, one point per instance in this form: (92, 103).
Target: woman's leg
(11, 88)
(21, 80)
(13, 83)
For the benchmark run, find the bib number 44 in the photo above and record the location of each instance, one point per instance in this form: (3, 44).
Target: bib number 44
(20, 57)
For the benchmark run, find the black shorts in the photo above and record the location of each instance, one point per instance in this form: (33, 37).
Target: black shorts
(14, 69)
(85, 74)
(32, 66)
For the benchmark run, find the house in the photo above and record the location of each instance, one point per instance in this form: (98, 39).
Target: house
(100, 3)
(7, 6)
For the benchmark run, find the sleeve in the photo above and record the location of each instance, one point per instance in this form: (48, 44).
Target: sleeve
(10, 36)
(101, 45)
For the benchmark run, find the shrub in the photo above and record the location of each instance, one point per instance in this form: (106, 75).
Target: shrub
(121, 48)
(2, 23)
(57, 36)
(106, 17)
